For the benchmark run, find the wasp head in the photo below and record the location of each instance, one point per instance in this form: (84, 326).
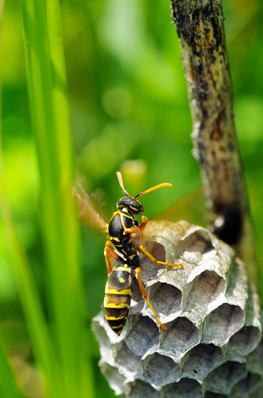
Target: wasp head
(132, 205)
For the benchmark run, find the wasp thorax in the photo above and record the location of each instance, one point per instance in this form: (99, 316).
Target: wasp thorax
(133, 205)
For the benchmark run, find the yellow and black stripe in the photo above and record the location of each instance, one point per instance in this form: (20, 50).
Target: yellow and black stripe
(118, 293)
(127, 249)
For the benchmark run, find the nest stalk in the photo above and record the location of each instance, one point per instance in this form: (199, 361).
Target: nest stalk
(200, 28)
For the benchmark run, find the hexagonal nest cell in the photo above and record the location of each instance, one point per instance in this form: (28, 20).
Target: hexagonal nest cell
(244, 341)
(247, 386)
(222, 379)
(158, 370)
(206, 287)
(198, 241)
(142, 333)
(222, 323)
(181, 336)
(165, 298)
(212, 348)
(201, 360)
(120, 353)
(140, 389)
(184, 388)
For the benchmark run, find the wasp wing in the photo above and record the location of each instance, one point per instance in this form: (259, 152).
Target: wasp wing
(190, 208)
(87, 213)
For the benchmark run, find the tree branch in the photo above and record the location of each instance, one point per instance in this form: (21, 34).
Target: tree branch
(200, 29)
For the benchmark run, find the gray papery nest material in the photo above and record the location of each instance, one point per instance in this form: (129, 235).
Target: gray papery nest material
(213, 346)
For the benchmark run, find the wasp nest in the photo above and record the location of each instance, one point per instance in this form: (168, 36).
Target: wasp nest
(212, 347)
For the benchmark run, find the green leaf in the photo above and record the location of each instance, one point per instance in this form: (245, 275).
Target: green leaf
(52, 132)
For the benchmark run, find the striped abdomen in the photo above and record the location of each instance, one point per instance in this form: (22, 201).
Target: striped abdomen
(118, 293)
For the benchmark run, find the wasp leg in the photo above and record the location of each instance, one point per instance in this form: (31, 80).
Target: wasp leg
(132, 230)
(143, 223)
(109, 255)
(145, 296)
(136, 230)
(153, 259)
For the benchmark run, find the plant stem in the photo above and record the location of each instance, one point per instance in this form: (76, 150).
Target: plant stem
(200, 29)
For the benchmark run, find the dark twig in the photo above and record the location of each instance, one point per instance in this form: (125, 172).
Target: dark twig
(200, 29)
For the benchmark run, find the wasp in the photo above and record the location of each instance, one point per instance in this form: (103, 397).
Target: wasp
(124, 232)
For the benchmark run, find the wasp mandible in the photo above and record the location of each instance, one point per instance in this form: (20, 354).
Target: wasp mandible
(123, 231)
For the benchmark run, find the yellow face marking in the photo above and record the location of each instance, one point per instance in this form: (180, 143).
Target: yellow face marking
(123, 292)
(122, 280)
(112, 305)
(133, 208)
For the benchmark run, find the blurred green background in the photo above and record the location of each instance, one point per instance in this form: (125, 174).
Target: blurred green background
(128, 101)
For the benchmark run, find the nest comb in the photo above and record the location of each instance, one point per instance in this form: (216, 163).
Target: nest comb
(212, 348)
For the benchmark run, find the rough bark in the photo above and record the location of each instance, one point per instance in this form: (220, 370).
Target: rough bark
(200, 28)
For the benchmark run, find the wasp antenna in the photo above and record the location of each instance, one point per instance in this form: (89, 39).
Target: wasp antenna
(121, 183)
(164, 184)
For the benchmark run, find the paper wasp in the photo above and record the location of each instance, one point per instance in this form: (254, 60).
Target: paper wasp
(123, 231)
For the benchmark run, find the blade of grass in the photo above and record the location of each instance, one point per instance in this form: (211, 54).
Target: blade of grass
(51, 125)
(37, 328)
(36, 323)
(68, 223)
